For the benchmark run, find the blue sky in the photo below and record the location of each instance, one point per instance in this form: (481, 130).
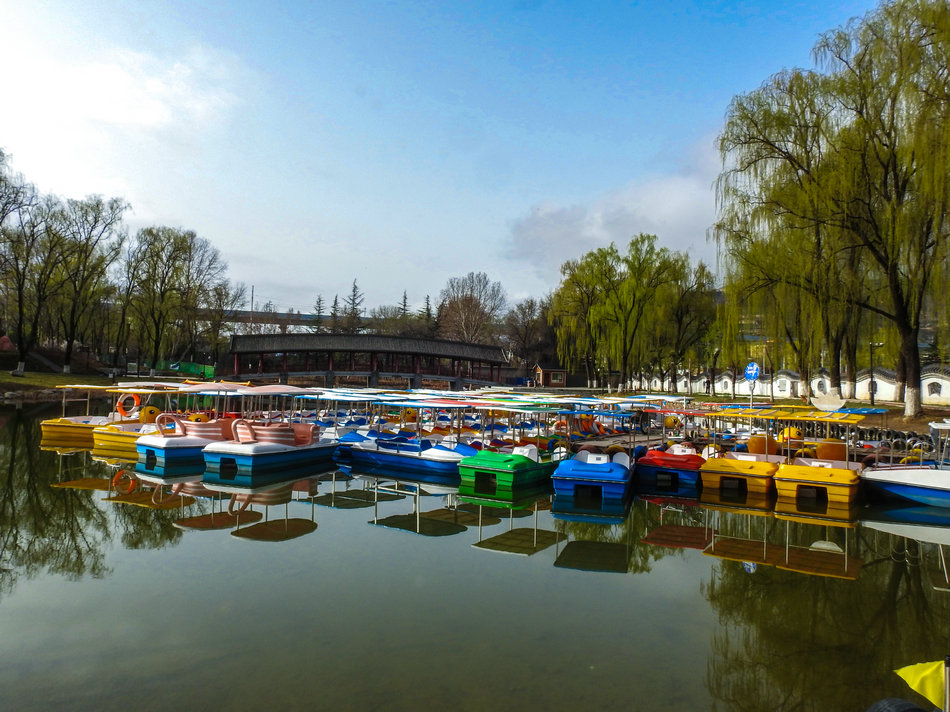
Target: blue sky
(396, 143)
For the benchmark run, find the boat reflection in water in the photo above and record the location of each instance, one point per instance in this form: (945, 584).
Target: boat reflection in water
(387, 485)
(796, 546)
(590, 554)
(928, 527)
(274, 494)
(520, 501)
(699, 621)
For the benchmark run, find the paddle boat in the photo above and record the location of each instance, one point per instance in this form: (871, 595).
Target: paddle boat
(405, 450)
(677, 466)
(179, 442)
(180, 438)
(75, 431)
(265, 452)
(791, 465)
(926, 481)
(593, 473)
(408, 454)
(819, 468)
(117, 440)
(489, 472)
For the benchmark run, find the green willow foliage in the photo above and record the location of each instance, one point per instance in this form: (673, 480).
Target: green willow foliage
(834, 195)
(633, 312)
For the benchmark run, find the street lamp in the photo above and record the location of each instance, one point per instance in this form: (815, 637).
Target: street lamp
(872, 386)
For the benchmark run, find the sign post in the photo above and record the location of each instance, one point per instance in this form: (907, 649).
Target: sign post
(751, 375)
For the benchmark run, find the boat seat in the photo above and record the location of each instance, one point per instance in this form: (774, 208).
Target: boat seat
(278, 433)
(582, 456)
(528, 451)
(622, 459)
(305, 433)
(211, 430)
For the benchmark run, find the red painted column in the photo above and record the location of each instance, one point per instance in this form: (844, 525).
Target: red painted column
(237, 364)
(329, 360)
(372, 361)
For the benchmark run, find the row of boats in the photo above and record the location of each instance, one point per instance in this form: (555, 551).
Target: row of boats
(591, 449)
(755, 530)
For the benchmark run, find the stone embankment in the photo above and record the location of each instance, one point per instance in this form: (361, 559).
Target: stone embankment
(32, 395)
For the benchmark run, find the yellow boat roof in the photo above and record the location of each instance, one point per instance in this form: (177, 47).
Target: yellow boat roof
(86, 387)
(787, 413)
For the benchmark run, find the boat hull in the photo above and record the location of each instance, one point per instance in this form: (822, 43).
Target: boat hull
(924, 485)
(661, 469)
(73, 431)
(402, 456)
(573, 476)
(253, 464)
(118, 440)
(490, 472)
(155, 452)
(756, 475)
(794, 481)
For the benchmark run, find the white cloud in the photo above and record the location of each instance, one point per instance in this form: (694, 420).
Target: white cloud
(82, 119)
(677, 207)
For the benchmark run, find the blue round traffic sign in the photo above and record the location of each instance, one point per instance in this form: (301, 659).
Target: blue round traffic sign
(752, 371)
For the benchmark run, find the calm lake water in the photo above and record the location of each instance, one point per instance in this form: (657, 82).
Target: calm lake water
(105, 605)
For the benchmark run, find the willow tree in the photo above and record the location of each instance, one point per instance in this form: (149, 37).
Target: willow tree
(685, 311)
(891, 86)
(853, 164)
(157, 296)
(94, 237)
(579, 340)
(202, 272)
(630, 284)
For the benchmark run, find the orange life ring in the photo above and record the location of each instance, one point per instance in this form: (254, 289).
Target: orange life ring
(123, 475)
(120, 406)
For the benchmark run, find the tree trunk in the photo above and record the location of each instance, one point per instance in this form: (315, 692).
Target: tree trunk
(910, 361)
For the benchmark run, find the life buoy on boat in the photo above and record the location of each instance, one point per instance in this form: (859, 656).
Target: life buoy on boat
(120, 406)
(124, 482)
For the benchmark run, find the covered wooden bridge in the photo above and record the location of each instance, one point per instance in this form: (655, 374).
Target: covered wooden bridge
(369, 356)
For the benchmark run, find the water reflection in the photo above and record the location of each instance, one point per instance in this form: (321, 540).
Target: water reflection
(42, 529)
(775, 605)
(445, 520)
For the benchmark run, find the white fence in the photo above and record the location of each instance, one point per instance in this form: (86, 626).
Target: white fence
(934, 385)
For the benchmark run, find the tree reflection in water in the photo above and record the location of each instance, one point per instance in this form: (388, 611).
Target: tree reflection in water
(792, 641)
(62, 531)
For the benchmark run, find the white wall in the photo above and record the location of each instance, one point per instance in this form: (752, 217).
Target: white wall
(934, 386)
